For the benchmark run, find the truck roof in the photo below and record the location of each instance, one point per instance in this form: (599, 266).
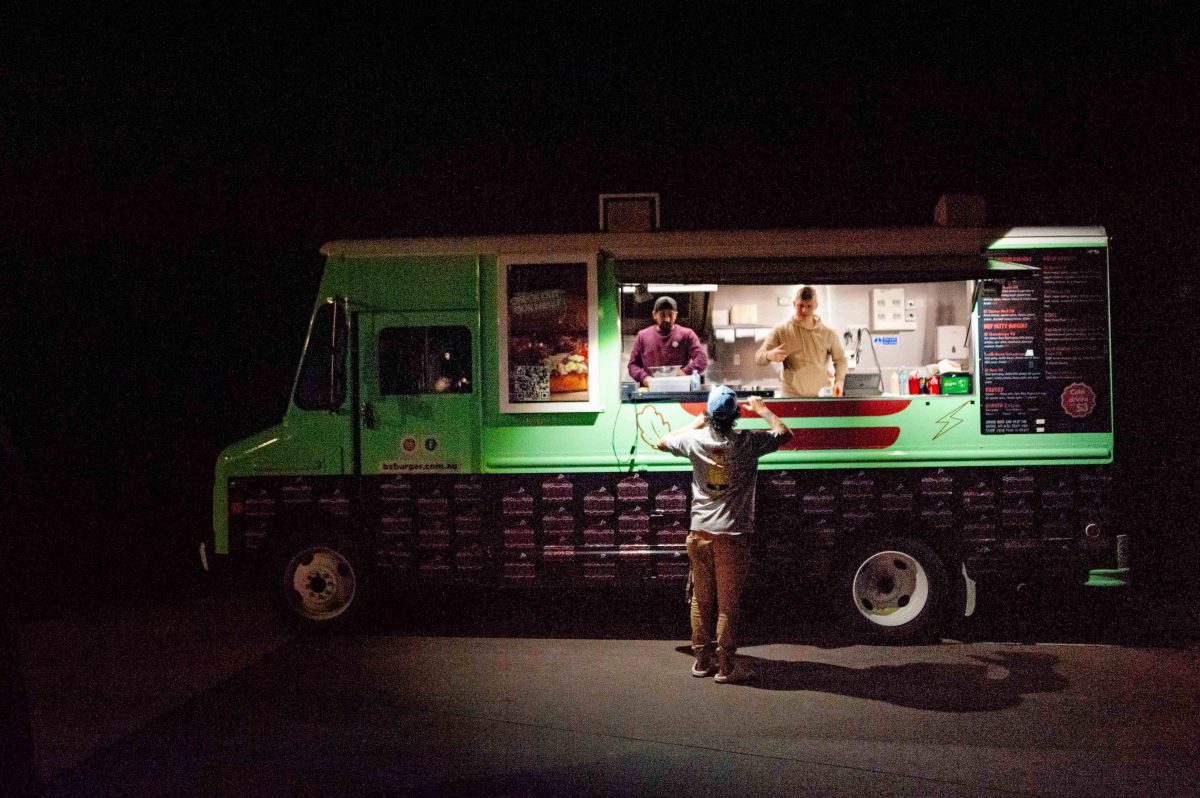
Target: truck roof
(707, 244)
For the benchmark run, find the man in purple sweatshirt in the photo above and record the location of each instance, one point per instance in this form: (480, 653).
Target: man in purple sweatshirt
(666, 344)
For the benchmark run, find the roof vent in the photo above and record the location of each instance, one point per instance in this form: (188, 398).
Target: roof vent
(629, 213)
(960, 210)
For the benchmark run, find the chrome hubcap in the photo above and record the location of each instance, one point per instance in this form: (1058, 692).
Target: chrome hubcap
(890, 588)
(322, 583)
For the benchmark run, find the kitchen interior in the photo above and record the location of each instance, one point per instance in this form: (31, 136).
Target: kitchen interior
(898, 332)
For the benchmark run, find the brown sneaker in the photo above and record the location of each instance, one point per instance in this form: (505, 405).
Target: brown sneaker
(733, 670)
(704, 665)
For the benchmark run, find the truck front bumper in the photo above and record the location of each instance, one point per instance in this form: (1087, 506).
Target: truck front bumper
(1109, 577)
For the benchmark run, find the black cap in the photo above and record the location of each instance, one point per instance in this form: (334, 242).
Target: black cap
(665, 303)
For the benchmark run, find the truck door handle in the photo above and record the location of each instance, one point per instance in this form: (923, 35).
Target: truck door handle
(368, 415)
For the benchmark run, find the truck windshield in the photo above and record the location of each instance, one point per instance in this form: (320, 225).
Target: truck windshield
(321, 384)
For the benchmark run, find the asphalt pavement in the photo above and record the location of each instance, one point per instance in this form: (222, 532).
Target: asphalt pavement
(212, 695)
(96, 673)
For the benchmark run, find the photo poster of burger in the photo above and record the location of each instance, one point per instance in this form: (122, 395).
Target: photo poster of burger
(548, 332)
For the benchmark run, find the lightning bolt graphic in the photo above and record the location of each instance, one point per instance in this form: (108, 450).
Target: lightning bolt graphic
(950, 421)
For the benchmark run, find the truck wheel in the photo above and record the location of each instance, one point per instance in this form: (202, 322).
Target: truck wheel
(896, 590)
(320, 584)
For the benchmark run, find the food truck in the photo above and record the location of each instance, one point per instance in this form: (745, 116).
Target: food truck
(462, 415)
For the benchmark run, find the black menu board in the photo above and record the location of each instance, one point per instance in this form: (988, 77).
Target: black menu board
(1044, 360)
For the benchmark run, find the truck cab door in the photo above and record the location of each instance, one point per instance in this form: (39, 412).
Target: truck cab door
(419, 378)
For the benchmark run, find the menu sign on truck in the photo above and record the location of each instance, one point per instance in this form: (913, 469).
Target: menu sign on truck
(1013, 379)
(1044, 344)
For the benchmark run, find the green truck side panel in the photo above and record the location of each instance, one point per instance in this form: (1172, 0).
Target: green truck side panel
(566, 436)
(932, 431)
(400, 284)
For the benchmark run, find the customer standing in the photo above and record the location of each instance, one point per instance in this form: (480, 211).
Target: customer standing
(724, 472)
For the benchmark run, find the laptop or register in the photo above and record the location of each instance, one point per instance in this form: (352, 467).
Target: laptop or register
(859, 385)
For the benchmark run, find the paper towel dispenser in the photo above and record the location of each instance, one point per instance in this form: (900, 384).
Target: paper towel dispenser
(952, 342)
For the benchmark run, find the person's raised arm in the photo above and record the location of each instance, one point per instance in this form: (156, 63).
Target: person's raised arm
(697, 422)
(757, 404)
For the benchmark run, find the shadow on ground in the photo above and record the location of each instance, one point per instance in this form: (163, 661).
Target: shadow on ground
(1064, 616)
(993, 682)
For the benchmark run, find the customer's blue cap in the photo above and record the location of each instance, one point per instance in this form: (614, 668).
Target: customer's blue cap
(722, 403)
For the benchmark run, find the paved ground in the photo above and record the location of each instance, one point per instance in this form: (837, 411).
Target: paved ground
(96, 674)
(210, 696)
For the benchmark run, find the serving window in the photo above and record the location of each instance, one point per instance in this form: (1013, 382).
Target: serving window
(732, 304)
(548, 330)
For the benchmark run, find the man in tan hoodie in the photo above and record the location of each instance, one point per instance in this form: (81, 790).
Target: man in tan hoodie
(804, 345)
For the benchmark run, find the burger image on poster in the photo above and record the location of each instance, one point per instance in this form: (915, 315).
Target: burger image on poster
(568, 369)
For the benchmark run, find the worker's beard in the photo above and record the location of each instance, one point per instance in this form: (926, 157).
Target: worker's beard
(664, 327)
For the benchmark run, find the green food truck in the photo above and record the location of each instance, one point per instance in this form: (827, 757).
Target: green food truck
(463, 414)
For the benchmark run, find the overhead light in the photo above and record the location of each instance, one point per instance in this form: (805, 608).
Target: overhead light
(642, 291)
(681, 288)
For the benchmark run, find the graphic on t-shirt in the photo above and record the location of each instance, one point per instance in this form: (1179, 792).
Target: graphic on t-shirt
(718, 474)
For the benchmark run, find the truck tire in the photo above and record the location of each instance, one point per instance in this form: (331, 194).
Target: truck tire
(894, 590)
(320, 584)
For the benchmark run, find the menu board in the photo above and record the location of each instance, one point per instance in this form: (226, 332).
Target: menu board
(1043, 341)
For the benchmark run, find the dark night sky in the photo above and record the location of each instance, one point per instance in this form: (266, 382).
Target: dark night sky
(167, 179)
(170, 129)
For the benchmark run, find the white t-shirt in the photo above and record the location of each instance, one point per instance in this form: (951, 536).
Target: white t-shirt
(724, 473)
